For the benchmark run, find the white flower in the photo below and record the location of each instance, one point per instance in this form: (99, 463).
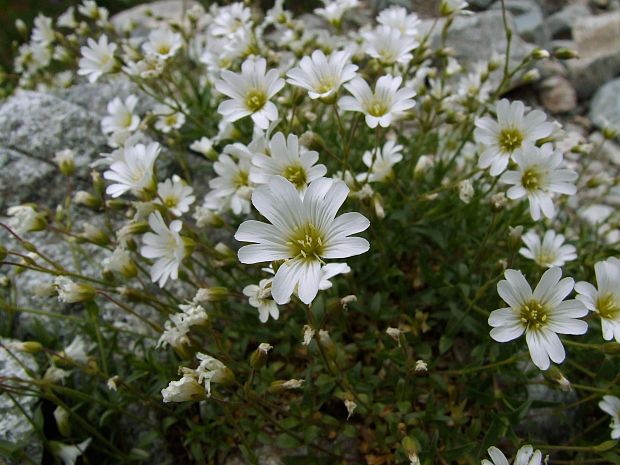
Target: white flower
(260, 298)
(287, 159)
(186, 389)
(43, 31)
(97, 59)
(203, 146)
(512, 129)
(329, 271)
(606, 300)
(77, 350)
(322, 76)
(169, 117)
(232, 188)
(230, 19)
(210, 370)
(540, 314)
(397, 17)
(250, 92)
(67, 19)
(452, 7)
(90, 9)
(134, 170)
(380, 163)
(466, 190)
(174, 334)
(611, 405)
(525, 456)
(381, 106)
(194, 314)
(302, 232)
(334, 10)
(537, 177)
(121, 117)
(550, 252)
(120, 262)
(389, 45)
(68, 453)
(70, 292)
(24, 218)
(163, 43)
(165, 245)
(111, 383)
(65, 159)
(175, 195)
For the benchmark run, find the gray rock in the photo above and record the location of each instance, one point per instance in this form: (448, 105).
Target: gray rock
(528, 20)
(597, 39)
(605, 106)
(33, 127)
(560, 24)
(467, 33)
(94, 97)
(558, 95)
(14, 426)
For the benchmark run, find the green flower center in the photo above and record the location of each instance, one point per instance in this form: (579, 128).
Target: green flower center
(545, 258)
(255, 99)
(296, 174)
(607, 307)
(171, 202)
(306, 242)
(510, 139)
(163, 49)
(325, 84)
(377, 108)
(533, 314)
(241, 179)
(531, 179)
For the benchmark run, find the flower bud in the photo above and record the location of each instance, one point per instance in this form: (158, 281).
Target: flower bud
(71, 292)
(211, 294)
(609, 133)
(281, 385)
(21, 27)
(532, 75)
(94, 235)
(564, 53)
(65, 160)
(87, 199)
(258, 359)
(540, 53)
(515, 235)
(3, 252)
(62, 421)
(554, 375)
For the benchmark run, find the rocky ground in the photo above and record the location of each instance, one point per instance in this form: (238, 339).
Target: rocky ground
(583, 94)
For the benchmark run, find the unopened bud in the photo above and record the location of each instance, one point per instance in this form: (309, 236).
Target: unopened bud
(86, 199)
(211, 294)
(65, 160)
(308, 335)
(94, 235)
(515, 234)
(259, 356)
(61, 416)
(554, 375)
(347, 299)
(540, 53)
(564, 53)
(421, 366)
(3, 252)
(281, 385)
(532, 75)
(609, 133)
(351, 406)
(21, 27)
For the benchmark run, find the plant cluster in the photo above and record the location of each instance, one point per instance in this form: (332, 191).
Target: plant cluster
(315, 236)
